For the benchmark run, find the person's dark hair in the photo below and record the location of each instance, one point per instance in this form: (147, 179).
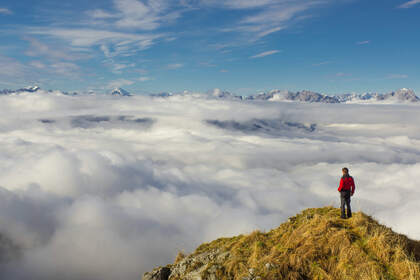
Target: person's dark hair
(345, 169)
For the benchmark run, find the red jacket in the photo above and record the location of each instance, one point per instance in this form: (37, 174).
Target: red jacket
(347, 184)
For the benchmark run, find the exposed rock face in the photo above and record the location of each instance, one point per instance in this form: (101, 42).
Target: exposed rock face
(315, 244)
(300, 96)
(30, 89)
(403, 94)
(197, 267)
(26, 89)
(120, 92)
(201, 266)
(161, 273)
(218, 93)
(309, 96)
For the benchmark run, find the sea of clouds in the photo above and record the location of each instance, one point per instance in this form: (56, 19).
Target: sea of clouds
(104, 188)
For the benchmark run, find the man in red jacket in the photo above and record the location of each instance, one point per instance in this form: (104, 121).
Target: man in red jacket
(346, 190)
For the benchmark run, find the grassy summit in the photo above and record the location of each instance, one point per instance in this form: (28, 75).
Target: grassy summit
(315, 244)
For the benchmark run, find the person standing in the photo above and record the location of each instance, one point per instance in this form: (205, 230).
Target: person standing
(346, 190)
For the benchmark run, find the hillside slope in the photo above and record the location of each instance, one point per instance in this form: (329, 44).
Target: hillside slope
(315, 244)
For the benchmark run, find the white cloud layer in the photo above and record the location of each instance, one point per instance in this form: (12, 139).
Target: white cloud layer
(103, 187)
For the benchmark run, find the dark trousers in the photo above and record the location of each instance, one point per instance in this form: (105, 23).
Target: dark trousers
(345, 201)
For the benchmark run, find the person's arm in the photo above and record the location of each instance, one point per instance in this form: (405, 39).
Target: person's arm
(353, 186)
(341, 185)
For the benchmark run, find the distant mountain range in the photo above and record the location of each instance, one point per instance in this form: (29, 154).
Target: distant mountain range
(26, 89)
(403, 95)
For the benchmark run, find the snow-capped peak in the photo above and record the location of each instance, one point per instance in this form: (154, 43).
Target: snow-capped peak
(31, 88)
(219, 93)
(120, 91)
(404, 94)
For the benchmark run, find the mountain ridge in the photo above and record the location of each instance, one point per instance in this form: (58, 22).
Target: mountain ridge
(120, 92)
(403, 95)
(315, 244)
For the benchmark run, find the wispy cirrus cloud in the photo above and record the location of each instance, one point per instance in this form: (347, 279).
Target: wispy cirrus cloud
(13, 71)
(111, 43)
(321, 63)
(11, 68)
(139, 15)
(147, 16)
(239, 4)
(266, 53)
(66, 68)
(267, 16)
(125, 29)
(363, 42)
(174, 66)
(409, 4)
(396, 76)
(101, 14)
(119, 83)
(342, 74)
(144, 79)
(38, 48)
(37, 64)
(129, 27)
(87, 37)
(5, 11)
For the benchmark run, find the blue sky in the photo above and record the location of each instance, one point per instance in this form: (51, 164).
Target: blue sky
(243, 46)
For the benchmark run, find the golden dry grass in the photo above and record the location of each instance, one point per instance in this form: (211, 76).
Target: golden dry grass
(318, 244)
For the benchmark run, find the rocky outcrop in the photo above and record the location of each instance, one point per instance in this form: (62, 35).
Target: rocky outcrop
(160, 273)
(193, 267)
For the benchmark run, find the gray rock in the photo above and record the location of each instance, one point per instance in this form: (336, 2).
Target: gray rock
(204, 266)
(161, 273)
